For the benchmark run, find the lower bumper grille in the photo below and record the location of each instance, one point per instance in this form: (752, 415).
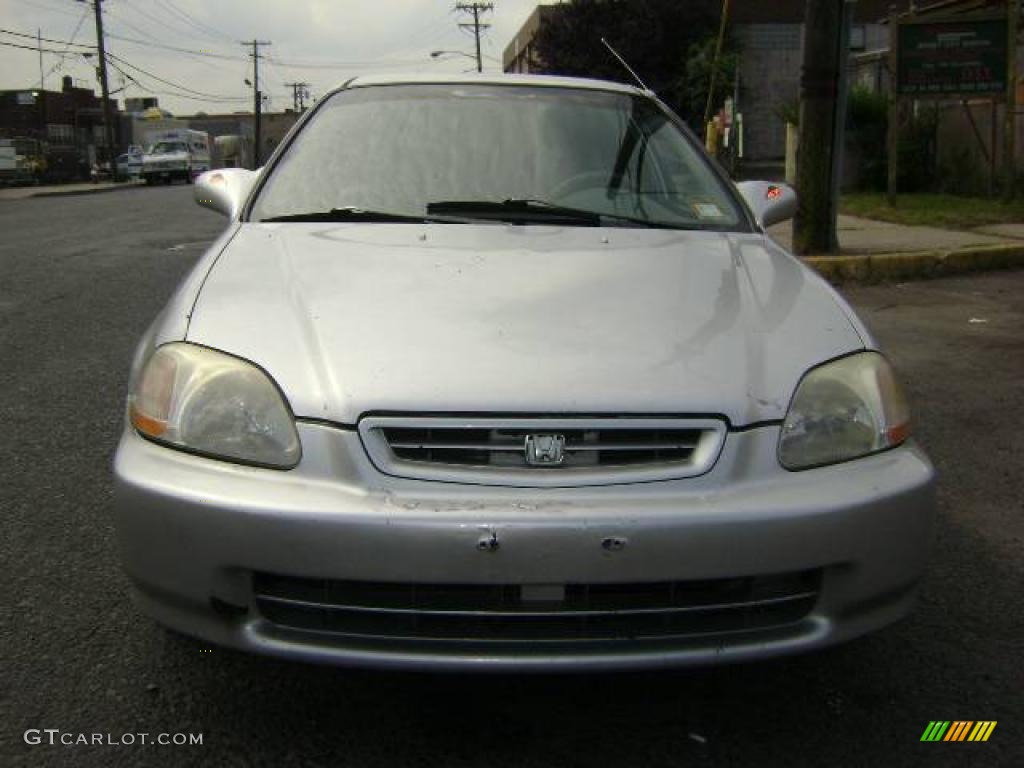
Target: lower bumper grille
(509, 613)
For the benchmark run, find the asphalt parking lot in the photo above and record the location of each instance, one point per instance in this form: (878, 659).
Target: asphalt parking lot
(80, 279)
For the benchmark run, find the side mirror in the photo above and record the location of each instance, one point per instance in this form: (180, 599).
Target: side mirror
(225, 190)
(768, 201)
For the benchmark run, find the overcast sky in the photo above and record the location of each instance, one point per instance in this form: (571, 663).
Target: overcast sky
(321, 42)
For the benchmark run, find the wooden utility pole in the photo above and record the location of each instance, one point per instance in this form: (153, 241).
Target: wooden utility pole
(476, 9)
(814, 222)
(714, 62)
(39, 42)
(108, 112)
(257, 98)
(1010, 118)
(893, 134)
(300, 92)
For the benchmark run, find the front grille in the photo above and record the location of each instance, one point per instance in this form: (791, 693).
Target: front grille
(555, 613)
(543, 451)
(507, 447)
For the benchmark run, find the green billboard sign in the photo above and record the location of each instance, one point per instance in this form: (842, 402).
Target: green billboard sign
(952, 58)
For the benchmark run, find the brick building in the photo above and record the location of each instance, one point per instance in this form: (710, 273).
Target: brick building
(67, 124)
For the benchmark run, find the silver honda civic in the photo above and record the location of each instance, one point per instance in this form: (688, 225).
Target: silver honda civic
(502, 372)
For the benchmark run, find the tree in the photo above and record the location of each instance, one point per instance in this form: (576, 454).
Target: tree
(656, 37)
(697, 77)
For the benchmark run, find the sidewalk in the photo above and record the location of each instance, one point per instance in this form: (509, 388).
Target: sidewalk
(57, 190)
(875, 251)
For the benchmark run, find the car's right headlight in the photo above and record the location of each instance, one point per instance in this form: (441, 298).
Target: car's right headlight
(842, 410)
(209, 402)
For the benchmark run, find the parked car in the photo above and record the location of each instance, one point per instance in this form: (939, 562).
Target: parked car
(503, 372)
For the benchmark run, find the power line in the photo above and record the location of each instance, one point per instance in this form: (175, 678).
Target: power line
(175, 49)
(174, 94)
(365, 64)
(111, 56)
(33, 48)
(193, 22)
(74, 34)
(47, 39)
(177, 28)
(147, 43)
(66, 12)
(210, 96)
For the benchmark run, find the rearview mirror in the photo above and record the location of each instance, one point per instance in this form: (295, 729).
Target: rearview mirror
(770, 202)
(225, 190)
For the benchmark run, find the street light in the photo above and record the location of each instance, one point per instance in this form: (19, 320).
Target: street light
(436, 54)
(470, 56)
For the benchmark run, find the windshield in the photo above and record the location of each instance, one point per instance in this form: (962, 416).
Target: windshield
(519, 153)
(166, 147)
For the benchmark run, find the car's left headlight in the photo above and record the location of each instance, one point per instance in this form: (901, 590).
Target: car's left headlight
(842, 410)
(208, 402)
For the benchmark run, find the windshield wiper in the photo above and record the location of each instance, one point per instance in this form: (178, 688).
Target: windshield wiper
(528, 209)
(354, 213)
(515, 209)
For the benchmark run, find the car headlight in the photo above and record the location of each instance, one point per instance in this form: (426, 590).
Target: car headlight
(205, 401)
(842, 410)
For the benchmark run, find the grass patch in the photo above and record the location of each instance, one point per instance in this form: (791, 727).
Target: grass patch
(945, 211)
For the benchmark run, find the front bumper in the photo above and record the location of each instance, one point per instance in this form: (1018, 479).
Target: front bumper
(193, 533)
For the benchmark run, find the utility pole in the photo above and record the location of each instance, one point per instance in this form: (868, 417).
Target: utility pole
(39, 42)
(814, 224)
(714, 62)
(108, 113)
(476, 9)
(300, 92)
(1010, 127)
(257, 97)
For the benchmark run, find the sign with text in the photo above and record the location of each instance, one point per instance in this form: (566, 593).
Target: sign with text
(952, 58)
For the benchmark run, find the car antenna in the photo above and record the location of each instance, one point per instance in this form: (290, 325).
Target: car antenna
(622, 61)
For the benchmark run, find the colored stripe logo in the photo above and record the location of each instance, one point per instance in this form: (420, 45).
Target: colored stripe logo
(958, 730)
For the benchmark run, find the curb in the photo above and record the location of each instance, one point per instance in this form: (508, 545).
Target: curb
(920, 265)
(79, 192)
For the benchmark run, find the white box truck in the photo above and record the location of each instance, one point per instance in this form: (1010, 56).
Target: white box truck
(178, 154)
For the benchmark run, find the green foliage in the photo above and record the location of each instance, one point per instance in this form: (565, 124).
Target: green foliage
(946, 211)
(866, 107)
(867, 137)
(917, 146)
(867, 120)
(697, 77)
(654, 36)
(789, 111)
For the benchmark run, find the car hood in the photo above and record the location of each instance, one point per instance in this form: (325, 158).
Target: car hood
(358, 318)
